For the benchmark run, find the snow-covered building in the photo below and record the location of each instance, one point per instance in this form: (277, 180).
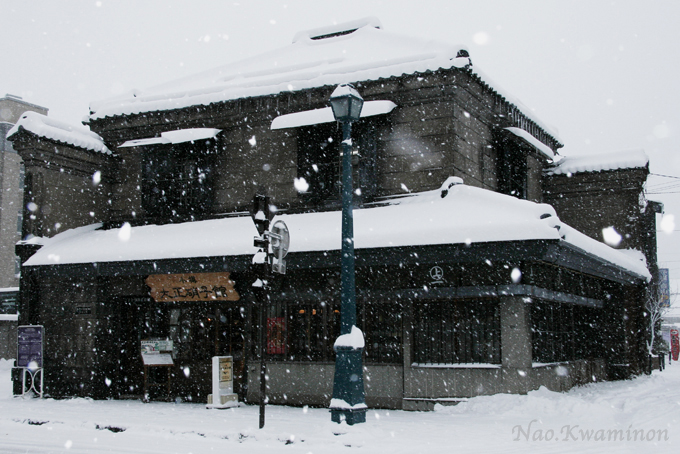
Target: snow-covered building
(11, 182)
(11, 217)
(467, 283)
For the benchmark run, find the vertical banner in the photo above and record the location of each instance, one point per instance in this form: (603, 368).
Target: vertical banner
(664, 288)
(675, 344)
(276, 344)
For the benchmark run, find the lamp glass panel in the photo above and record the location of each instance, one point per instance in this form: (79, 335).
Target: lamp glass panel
(340, 108)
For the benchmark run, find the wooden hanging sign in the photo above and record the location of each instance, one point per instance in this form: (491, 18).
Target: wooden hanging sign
(167, 288)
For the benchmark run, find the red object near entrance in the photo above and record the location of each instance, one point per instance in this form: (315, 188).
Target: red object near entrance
(675, 344)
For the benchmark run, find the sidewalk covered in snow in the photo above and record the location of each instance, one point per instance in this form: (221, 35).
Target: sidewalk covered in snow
(608, 417)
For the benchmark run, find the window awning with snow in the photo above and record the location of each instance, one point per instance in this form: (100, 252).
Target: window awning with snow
(325, 115)
(456, 214)
(533, 142)
(174, 137)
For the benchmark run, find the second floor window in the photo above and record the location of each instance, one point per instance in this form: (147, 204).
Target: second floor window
(512, 168)
(177, 181)
(319, 161)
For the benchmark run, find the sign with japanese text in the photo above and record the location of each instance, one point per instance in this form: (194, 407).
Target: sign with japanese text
(167, 288)
(156, 345)
(664, 288)
(226, 371)
(223, 395)
(30, 346)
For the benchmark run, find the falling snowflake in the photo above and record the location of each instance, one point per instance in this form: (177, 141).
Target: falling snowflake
(611, 236)
(301, 184)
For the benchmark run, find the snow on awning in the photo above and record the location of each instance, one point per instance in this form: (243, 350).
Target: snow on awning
(454, 214)
(533, 141)
(633, 159)
(49, 128)
(325, 115)
(173, 137)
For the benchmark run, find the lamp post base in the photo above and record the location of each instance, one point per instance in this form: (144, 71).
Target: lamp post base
(348, 402)
(350, 416)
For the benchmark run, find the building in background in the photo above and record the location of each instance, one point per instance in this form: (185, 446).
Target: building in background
(11, 184)
(11, 218)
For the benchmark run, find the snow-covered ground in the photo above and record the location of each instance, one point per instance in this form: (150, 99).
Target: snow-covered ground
(604, 417)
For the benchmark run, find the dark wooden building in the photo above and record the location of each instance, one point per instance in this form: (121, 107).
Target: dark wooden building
(468, 284)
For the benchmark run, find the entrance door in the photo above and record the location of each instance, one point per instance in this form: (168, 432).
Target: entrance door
(200, 332)
(231, 342)
(137, 320)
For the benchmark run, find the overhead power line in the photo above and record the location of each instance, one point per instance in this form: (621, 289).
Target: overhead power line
(665, 176)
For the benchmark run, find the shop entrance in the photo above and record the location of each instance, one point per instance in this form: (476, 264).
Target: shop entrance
(200, 332)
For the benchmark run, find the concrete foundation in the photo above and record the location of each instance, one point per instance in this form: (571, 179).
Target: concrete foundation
(420, 388)
(8, 339)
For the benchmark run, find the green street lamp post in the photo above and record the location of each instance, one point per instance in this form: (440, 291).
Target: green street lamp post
(348, 403)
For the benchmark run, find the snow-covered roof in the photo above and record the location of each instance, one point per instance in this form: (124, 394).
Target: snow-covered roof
(343, 53)
(601, 162)
(43, 126)
(454, 214)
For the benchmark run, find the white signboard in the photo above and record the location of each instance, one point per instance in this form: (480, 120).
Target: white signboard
(157, 346)
(222, 383)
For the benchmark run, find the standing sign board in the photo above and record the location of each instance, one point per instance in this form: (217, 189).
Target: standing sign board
(157, 353)
(675, 344)
(223, 395)
(30, 358)
(30, 346)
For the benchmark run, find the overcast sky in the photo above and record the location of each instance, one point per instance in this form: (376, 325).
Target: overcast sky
(603, 73)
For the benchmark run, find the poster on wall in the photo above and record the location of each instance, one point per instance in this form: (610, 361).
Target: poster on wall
(666, 336)
(276, 344)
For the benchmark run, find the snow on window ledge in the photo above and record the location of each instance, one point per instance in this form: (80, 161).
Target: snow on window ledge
(456, 365)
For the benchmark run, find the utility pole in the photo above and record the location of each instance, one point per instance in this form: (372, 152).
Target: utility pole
(262, 215)
(279, 238)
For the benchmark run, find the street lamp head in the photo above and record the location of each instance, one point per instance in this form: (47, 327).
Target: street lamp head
(346, 103)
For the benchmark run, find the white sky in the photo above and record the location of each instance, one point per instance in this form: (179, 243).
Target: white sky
(602, 72)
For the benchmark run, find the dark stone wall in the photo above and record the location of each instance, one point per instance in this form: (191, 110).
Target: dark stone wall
(592, 201)
(59, 182)
(94, 322)
(68, 312)
(443, 126)
(8, 339)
